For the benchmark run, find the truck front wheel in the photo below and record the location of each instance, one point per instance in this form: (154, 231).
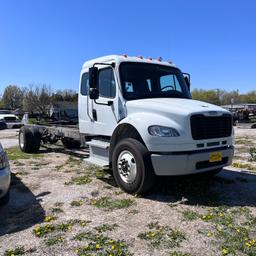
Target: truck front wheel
(132, 168)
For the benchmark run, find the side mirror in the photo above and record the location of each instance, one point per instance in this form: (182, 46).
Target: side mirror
(93, 77)
(187, 80)
(94, 93)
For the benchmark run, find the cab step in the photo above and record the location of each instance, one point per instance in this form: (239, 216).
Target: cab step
(99, 151)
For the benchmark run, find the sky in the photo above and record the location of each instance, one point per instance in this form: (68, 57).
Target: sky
(46, 41)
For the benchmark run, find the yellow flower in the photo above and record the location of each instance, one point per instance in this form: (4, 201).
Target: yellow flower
(97, 246)
(224, 251)
(113, 247)
(152, 234)
(111, 241)
(209, 234)
(248, 244)
(238, 230)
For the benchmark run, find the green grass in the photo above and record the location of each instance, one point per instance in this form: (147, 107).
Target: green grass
(189, 215)
(162, 236)
(14, 252)
(249, 167)
(15, 154)
(252, 155)
(175, 253)
(54, 240)
(235, 228)
(80, 180)
(76, 203)
(106, 227)
(97, 244)
(108, 203)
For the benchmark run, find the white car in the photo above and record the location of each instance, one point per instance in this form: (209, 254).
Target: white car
(11, 121)
(5, 177)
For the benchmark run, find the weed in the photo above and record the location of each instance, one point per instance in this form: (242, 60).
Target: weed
(100, 245)
(189, 215)
(244, 166)
(54, 240)
(16, 251)
(80, 180)
(41, 231)
(49, 218)
(112, 204)
(175, 253)
(106, 227)
(56, 210)
(234, 234)
(252, 154)
(76, 203)
(162, 236)
(134, 211)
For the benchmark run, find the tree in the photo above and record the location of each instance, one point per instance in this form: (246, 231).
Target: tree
(12, 97)
(37, 99)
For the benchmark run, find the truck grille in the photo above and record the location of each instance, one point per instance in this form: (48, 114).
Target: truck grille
(210, 127)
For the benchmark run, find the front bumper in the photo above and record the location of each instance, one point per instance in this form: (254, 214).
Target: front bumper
(185, 163)
(5, 180)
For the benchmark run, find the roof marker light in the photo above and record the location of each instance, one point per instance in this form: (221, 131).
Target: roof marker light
(124, 55)
(170, 62)
(140, 57)
(149, 58)
(159, 59)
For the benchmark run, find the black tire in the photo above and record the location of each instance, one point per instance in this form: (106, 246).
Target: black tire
(4, 200)
(144, 178)
(3, 126)
(70, 143)
(29, 139)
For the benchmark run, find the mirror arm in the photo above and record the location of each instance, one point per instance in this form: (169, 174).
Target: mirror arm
(110, 103)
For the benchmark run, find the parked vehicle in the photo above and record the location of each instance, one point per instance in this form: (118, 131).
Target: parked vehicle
(11, 120)
(5, 177)
(137, 117)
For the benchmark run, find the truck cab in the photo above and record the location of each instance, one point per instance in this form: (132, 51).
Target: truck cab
(138, 117)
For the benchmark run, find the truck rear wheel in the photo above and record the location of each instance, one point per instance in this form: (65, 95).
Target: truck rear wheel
(29, 139)
(132, 168)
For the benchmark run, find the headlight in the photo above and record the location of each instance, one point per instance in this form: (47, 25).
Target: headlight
(162, 131)
(3, 161)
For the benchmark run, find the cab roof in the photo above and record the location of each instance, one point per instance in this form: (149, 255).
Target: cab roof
(117, 59)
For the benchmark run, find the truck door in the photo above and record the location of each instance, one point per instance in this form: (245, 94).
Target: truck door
(84, 106)
(105, 117)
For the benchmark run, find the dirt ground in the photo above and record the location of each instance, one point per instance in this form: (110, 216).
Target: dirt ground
(60, 205)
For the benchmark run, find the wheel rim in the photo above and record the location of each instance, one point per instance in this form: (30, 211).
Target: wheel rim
(127, 167)
(21, 140)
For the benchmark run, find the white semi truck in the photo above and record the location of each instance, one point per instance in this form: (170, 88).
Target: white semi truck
(137, 116)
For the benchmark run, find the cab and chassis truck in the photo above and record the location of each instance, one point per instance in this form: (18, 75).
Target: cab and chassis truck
(137, 117)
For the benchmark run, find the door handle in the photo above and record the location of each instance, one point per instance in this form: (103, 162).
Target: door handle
(94, 114)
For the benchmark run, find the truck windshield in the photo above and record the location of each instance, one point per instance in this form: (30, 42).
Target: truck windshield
(142, 80)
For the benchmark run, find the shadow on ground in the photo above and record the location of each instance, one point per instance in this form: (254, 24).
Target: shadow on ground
(228, 188)
(23, 210)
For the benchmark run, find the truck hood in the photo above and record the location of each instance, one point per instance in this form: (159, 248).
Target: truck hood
(172, 107)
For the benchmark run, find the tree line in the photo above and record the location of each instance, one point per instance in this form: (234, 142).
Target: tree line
(37, 97)
(34, 99)
(222, 97)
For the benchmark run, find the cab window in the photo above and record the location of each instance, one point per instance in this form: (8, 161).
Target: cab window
(107, 85)
(84, 84)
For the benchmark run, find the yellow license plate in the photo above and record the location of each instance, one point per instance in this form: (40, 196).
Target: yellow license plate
(215, 157)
